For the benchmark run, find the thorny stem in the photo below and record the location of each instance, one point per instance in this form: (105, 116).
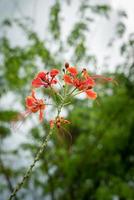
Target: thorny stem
(29, 171)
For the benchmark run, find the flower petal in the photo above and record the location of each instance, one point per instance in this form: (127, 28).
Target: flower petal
(90, 82)
(29, 101)
(41, 75)
(41, 115)
(67, 79)
(54, 72)
(37, 82)
(73, 71)
(54, 81)
(91, 94)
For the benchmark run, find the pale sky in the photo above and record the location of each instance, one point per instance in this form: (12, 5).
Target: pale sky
(97, 39)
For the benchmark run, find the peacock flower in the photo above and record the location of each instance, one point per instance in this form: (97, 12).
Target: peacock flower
(45, 79)
(34, 105)
(82, 81)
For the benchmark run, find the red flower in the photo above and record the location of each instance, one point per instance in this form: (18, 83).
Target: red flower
(45, 79)
(82, 83)
(40, 80)
(34, 105)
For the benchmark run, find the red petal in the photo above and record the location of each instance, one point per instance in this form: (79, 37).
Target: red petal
(37, 82)
(73, 71)
(91, 94)
(41, 115)
(54, 72)
(90, 81)
(30, 101)
(77, 82)
(41, 75)
(67, 79)
(54, 81)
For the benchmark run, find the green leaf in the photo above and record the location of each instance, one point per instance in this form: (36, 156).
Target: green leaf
(4, 132)
(8, 115)
(103, 9)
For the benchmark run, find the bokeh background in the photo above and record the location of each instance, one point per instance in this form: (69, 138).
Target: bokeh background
(40, 34)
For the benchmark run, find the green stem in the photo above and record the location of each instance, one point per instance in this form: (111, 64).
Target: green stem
(56, 93)
(67, 103)
(72, 91)
(61, 106)
(29, 171)
(77, 93)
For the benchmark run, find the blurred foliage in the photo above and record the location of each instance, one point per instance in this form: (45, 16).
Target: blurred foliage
(4, 131)
(55, 20)
(7, 115)
(98, 163)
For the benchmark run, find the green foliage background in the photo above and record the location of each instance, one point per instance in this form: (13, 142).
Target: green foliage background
(100, 163)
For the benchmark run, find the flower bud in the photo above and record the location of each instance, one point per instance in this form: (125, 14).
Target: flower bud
(66, 65)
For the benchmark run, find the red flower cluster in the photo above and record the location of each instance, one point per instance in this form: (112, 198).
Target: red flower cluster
(82, 81)
(45, 79)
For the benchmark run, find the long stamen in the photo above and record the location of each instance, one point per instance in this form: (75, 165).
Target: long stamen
(101, 77)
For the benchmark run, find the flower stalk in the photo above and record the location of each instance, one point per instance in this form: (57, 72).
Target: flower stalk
(29, 171)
